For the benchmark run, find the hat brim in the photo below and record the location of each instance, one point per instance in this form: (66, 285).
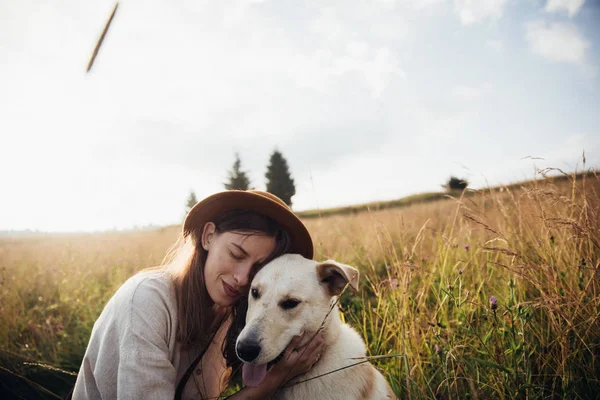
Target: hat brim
(217, 204)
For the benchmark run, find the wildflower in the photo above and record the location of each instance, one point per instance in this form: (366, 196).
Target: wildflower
(466, 247)
(436, 348)
(493, 303)
(59, 328)
(392, 282)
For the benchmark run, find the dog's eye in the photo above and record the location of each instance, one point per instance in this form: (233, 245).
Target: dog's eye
(289, 304)
(254, 293)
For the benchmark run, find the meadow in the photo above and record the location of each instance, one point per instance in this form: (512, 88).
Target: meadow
(488, 294)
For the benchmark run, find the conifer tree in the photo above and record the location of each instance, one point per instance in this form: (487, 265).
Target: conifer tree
(191, 202)
(279, 180)
(238, 180)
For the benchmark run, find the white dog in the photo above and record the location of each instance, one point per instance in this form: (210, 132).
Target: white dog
(291, 296)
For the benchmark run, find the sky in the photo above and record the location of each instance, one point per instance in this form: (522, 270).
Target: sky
(367, 100)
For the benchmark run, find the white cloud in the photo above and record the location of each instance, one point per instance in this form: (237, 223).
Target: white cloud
(557, 41)
(471, 93)
(497, 45)
(467, 93)
(357, 48)
(473, 11)
(322, 70)
(440, 130)
(381, 70)
(571, 6)
(416, 4)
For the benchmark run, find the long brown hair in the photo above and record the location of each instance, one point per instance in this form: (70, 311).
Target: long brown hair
(185, 263)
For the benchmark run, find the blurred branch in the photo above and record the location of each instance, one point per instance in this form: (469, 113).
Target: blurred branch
(99, 43)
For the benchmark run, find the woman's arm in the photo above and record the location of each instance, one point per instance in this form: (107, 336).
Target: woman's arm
(128, 356)
(295, 361)
(145, 369)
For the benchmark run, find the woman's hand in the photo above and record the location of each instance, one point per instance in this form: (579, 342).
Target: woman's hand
(297, 359)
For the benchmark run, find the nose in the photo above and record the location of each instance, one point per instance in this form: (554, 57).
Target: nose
(242, 275)
(247, 351)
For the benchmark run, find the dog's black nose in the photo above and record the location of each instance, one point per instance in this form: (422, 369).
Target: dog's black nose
(248, 351)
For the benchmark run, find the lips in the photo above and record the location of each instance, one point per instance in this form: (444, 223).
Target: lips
(230, 291)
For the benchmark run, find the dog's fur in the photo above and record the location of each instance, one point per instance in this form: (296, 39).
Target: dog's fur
(316, 286)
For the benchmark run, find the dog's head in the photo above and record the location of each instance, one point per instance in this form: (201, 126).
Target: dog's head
(289, 296)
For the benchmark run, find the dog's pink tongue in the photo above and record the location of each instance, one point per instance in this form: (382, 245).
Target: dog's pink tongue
(253, 374)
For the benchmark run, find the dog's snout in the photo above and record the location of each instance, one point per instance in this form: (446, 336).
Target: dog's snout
(248, 350)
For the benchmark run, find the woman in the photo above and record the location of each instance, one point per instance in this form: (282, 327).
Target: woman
(170, 331)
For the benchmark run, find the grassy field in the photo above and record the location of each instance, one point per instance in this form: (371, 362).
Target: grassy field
(490, 295)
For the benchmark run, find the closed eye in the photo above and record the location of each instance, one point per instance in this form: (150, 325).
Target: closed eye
(235, 256)
(289, 304)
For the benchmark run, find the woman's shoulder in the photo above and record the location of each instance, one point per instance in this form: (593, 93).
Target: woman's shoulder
(147, 288)
(145, 304)
(153, 277)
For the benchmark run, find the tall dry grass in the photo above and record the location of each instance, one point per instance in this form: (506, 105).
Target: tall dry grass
(489, 295)
(493, 295)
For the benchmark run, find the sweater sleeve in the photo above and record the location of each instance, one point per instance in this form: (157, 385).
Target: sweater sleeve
(145, 370)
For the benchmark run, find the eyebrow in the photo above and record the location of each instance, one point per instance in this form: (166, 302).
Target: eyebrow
(246, 253)
(240, 248)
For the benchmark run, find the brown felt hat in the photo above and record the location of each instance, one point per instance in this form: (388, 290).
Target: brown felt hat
(255, 200)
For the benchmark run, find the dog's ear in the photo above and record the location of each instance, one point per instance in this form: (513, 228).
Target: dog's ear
(336, 276)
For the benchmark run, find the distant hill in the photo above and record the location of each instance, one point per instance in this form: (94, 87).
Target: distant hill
(20, 233)
(433, 196)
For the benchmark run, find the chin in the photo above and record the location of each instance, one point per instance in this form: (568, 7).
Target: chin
(223, 300)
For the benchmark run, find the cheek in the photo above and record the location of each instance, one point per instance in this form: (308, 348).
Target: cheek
(217, 265)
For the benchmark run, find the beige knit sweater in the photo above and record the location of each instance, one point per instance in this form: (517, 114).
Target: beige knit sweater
(133, 354)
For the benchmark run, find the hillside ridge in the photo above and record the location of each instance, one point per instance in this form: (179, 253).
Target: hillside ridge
(427, 197)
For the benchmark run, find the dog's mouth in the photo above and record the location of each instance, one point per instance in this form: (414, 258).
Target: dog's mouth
(275, 361)
(253, 374)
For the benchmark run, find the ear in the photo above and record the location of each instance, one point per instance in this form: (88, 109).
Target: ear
(207, 234)
(336, 276)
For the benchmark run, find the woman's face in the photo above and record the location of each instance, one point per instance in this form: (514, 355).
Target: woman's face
(232, 257)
